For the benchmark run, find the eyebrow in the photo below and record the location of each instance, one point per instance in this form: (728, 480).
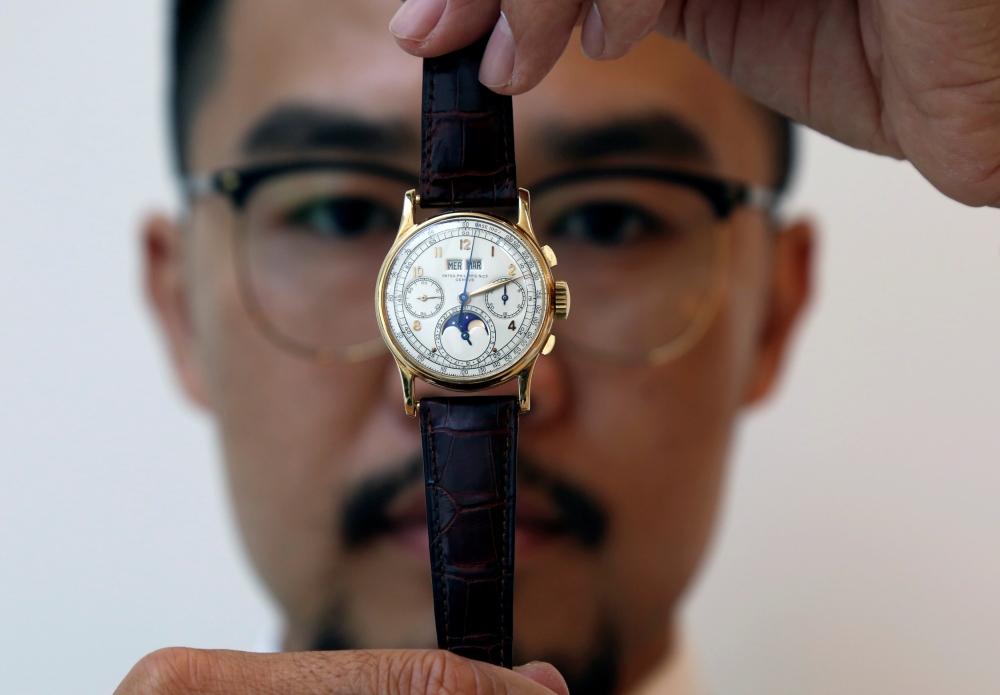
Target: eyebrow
(659, 135)
(305, 129)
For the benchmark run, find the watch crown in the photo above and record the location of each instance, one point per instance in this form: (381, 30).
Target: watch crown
(562, 300)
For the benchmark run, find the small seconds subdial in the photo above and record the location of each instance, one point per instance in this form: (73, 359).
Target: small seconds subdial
(424, 298)
(506, 300)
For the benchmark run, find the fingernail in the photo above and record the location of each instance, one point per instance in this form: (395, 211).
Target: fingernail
(497, 67)
(546, 675)
(592, 35)
(416, 19)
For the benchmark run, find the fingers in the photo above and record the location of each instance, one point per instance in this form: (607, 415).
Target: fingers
(404, 672)
(544, 674)
(527, 37)
(612, 28)
(527, 40)
(429, 28)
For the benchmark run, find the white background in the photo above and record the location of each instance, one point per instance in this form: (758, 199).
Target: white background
(860, 550)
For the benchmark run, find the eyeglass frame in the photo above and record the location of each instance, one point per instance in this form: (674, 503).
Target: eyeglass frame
(238, 183)
(724, 196)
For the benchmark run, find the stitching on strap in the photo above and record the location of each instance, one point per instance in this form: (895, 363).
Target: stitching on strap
(503, 549)
(437, 524)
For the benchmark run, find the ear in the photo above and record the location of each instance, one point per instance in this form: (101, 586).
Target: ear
(167, 292)
(791, 288)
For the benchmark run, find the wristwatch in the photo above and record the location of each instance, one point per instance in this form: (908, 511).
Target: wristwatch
(466, 300)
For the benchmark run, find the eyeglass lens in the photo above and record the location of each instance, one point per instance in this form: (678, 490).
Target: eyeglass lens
(642, 257)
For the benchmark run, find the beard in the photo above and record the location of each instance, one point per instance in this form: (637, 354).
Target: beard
(580, 519)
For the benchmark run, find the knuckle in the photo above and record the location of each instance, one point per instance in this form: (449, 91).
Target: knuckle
(173, 671)
(436, 672)
(627, 22)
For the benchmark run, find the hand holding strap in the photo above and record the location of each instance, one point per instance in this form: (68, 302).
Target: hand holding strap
(470, 447)
(468, 136)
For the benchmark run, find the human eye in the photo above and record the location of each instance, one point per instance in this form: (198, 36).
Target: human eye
(606, 223)
(341, 218)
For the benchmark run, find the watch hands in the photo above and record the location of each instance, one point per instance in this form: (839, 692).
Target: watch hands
(424, 297)
(493, 285)
(465, 295)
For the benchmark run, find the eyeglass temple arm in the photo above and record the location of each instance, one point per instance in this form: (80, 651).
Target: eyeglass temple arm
(761, 197)
(230, 183)
(199, 185)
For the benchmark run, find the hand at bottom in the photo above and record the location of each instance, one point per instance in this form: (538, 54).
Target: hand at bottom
(377, 672)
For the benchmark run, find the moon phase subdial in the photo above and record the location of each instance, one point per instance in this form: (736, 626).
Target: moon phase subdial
(506, 300)
(464, 335)
(423, 298)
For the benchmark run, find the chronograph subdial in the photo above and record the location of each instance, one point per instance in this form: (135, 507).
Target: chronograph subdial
(506, 300)
(423, 298)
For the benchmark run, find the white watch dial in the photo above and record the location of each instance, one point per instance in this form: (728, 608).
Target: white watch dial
(465, 298)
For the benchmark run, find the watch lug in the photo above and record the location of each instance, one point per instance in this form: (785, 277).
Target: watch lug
(524, 388)
(406, 220)
(409, 404)
(524, 212)
(550, 345)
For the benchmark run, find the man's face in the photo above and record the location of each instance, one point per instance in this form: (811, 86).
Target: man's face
(622, 463)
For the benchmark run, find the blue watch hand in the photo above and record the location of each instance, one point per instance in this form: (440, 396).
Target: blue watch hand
(465, 295)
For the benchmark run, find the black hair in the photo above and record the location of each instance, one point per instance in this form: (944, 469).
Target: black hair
(196, 47)
(784, 133)
(196, 57)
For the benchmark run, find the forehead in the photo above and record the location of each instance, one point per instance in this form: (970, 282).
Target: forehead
(339, 56)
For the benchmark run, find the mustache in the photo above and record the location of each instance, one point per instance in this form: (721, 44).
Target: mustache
(366, 511)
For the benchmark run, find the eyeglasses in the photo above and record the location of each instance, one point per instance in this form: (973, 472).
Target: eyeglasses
(645, 250)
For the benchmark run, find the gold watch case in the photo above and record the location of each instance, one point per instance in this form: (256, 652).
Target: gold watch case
(558, 294)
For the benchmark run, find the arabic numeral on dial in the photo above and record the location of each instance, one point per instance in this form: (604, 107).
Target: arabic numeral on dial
(512, 270)
(511, 327)
(416, 325)
(465, 372)
(418, 272)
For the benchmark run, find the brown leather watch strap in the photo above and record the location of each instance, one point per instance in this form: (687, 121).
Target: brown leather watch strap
(467, 159)
(470, 447)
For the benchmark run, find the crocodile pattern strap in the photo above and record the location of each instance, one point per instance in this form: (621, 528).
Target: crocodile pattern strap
(470, 446)
(467, 159)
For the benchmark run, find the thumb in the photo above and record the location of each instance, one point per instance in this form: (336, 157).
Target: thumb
(544, 674)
